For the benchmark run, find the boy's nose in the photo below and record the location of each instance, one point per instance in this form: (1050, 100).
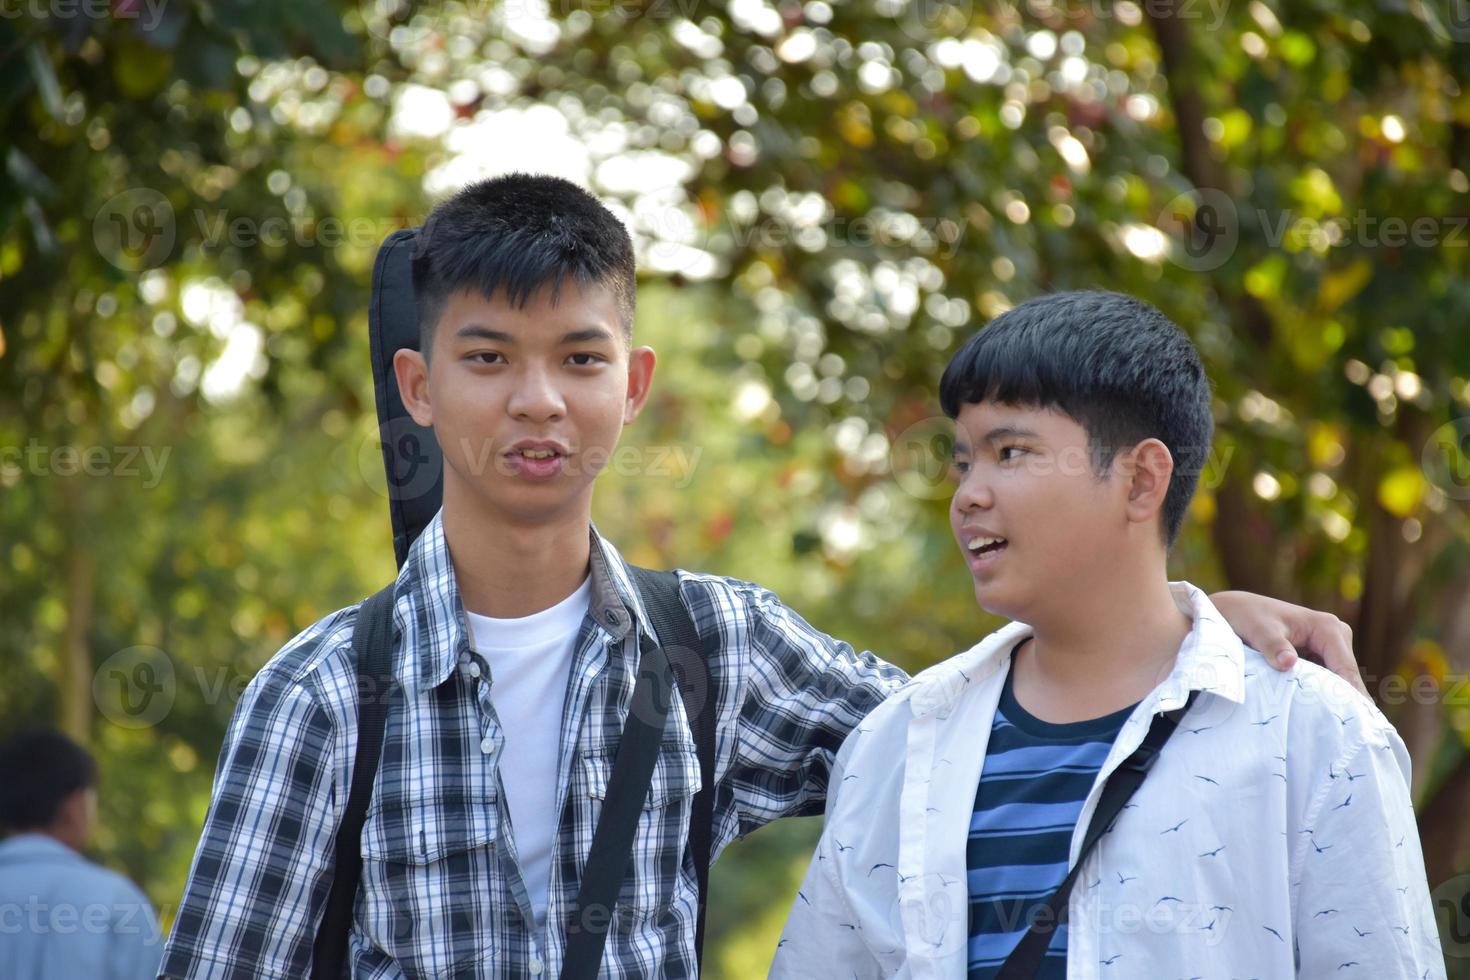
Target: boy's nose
(536, 398)
(972, 495)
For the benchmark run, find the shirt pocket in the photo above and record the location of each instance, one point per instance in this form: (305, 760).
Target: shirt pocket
(431, 883)
(657, 874)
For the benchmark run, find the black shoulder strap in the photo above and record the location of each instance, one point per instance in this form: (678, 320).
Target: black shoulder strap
(691, 662)
(372, 644)
(1025, 959)
(680, 654)
(612, 841)
(412, 458)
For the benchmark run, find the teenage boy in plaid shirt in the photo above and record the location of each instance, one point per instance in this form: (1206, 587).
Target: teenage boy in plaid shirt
(516, 647)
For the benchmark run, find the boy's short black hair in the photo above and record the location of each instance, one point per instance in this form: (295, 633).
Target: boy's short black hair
(1114, 364)
(39, 769)
(518, 233)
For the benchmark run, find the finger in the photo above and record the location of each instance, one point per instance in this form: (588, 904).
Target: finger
(1332, 639)
(1277, 647)
(1282, 655)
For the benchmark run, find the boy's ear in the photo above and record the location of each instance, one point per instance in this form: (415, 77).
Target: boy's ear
(641, 362)
(412, 372)
(1148, 467)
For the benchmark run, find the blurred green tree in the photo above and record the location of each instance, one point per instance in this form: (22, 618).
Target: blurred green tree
(827, 198)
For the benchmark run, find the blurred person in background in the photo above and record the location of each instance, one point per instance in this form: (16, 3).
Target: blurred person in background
(61, 915)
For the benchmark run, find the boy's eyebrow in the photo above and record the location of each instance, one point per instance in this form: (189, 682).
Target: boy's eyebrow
(1008, 432)
(500, 336)
(484, 333)
(586, 335)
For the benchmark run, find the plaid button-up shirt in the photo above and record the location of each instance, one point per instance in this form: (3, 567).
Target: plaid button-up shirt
(442, 892)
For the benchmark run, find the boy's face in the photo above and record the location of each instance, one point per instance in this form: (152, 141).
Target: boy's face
(527, 403)
(1025, 476)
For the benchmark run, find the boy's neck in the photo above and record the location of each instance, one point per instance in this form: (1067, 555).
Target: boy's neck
(1103, 651)
(506, 570)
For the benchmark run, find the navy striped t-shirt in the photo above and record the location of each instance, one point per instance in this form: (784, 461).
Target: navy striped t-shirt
(1035, 779)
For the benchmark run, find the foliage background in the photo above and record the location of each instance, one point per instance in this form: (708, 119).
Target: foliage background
(827, 198)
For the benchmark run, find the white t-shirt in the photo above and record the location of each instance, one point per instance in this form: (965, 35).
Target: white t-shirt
(530, 660)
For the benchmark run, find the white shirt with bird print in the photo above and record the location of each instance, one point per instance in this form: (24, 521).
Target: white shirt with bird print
(1274, 836)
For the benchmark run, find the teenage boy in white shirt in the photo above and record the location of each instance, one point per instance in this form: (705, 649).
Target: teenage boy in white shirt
(1274, 834)
(517, 638)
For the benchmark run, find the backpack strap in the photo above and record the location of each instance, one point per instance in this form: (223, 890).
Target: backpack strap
(680, 658)
(1025, 959)
(372, 645)
(612, 841)
(689, 656)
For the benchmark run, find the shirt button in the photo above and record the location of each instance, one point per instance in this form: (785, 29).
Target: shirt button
(535, 966)
(487, 746)
(474, 670)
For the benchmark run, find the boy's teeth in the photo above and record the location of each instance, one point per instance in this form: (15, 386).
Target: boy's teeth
(975, 544)
(537, 453)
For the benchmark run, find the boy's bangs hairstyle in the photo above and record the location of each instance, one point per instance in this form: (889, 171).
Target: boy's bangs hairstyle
(1113, 364)
(520, 233)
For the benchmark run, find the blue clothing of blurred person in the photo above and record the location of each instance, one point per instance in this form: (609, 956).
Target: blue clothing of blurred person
(62, 916)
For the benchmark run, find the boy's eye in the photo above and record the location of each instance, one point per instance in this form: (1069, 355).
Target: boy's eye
(1004, 450)
(585, 360)
(484, 354)
(959, 466)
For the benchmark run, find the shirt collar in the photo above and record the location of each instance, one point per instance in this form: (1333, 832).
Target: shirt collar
(430, 612)
(1211, 659)
(33, 844)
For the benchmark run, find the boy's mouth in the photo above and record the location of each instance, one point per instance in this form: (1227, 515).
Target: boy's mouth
(983, 548)
(537, 460)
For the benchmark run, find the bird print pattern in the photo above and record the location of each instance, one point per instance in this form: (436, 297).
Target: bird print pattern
(1274, 836)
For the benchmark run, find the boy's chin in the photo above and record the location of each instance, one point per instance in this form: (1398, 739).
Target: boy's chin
(997, 602)
(533, 503)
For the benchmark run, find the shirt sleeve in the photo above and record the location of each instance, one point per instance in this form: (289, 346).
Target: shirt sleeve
(805, 692)
(1363, 907)
(823, 937)
(259, 879)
